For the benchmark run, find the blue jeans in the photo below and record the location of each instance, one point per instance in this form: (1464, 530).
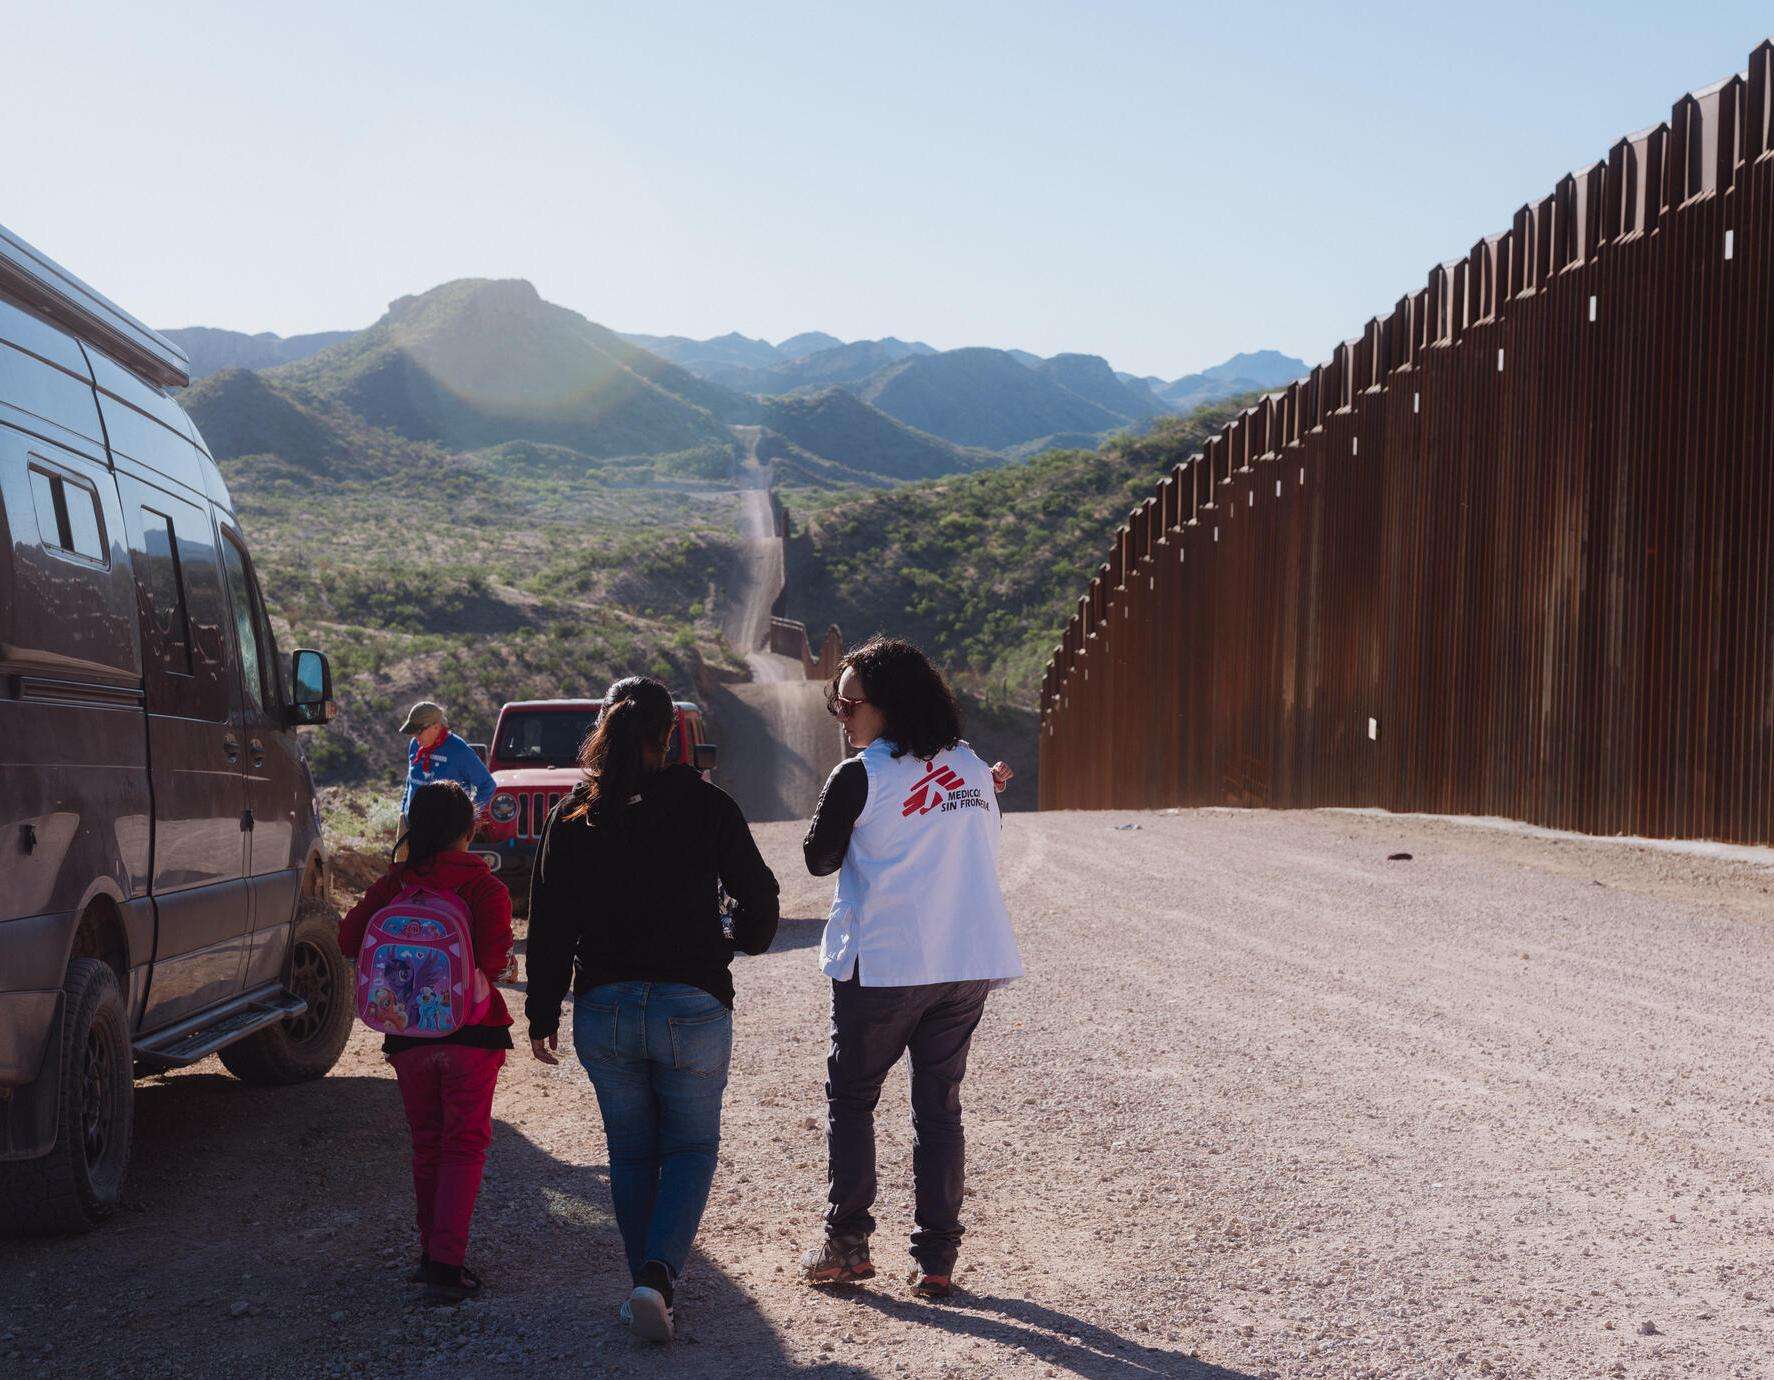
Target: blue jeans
(657, 1053)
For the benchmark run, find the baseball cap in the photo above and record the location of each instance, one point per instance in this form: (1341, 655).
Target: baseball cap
(422, 715)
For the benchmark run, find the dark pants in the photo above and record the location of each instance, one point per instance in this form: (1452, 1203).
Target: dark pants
(871, 1028)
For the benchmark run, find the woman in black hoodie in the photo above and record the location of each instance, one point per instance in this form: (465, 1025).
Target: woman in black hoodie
(625, 906)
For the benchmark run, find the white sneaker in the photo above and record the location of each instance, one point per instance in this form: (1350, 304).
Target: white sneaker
(647, 1315)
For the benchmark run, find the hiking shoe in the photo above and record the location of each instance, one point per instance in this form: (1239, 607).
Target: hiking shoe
(837, 1262)
(450, 1283)
(931, 1286)
(646, 1314)
(418, 1275)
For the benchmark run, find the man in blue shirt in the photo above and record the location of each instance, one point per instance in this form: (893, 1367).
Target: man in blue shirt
(436, 754)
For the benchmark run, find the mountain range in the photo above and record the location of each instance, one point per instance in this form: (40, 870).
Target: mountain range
(211, 350)
(815, 359)
(480, 365)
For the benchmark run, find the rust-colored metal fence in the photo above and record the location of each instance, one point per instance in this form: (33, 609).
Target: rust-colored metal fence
(1510, 551)
(789, 637)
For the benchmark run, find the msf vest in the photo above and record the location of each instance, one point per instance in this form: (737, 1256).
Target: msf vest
(918, 900)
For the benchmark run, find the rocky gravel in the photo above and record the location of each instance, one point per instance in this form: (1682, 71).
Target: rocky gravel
(1270, 1103)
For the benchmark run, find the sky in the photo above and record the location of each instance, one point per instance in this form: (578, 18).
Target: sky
(1160, 184)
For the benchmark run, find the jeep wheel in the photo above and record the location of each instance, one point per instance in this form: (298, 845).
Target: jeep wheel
(308, 1045)
(77, 1184)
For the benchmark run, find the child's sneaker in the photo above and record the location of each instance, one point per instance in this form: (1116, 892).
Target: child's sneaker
(450, 1283)
(837, 1262)
(931, 1286)
(648, 1311)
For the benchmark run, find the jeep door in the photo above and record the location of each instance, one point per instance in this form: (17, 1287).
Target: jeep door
(195, 754)
(279, 799)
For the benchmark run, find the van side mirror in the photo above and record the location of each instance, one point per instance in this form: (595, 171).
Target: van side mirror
(705, 755)
(480, 751)
(311, 688)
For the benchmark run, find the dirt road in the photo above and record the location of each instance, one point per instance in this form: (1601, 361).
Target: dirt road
(748, 616)
(778, 742)
(1267, 1104)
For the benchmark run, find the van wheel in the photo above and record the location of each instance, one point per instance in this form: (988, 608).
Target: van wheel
(77, 1185)
(308, 1045)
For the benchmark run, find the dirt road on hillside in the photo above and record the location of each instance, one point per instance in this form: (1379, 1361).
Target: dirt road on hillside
(747, 625)
(1266, 1105)
(778, 741)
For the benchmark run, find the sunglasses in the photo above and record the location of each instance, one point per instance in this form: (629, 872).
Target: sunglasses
(842, 706)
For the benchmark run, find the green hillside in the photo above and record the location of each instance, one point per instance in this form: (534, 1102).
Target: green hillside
(808, 474)
(1091, 378)
(983, 569)
(475, 363)
(841, 427)
(981, 397)
(842, 364)
(240, 413)
(523, 571)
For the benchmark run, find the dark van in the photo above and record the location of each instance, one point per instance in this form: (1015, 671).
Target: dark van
(162, 888)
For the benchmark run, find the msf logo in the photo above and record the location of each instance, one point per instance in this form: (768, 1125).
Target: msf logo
(929, 789)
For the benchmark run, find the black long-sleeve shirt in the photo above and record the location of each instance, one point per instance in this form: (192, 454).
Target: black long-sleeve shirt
(840, 805)
(637, 900)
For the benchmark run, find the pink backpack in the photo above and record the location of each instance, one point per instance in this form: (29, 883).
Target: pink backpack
(416, 974)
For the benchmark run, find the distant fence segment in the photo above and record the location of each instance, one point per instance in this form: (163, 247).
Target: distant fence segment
(788, 637)
(1510, 551)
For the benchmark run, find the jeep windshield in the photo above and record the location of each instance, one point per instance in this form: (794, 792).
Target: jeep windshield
(544, 738)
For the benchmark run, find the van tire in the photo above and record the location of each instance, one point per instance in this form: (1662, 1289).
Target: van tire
(306, 1046)
(79, 1183)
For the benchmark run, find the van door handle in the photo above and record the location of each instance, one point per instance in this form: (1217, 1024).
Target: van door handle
(246, 821)
(255, 751)
(231, 748)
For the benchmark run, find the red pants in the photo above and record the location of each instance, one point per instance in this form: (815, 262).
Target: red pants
(448, 1094)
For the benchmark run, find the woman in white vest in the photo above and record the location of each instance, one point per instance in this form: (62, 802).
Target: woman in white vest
(918, 935)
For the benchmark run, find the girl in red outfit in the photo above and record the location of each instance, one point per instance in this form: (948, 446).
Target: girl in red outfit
(446, 1082)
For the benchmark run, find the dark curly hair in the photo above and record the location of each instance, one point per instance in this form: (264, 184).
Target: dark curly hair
(898, 679)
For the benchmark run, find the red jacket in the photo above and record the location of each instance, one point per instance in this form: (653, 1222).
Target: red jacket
(489, 908)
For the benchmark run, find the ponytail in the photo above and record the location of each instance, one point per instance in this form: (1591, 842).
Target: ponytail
(437, 815)
(638, 713)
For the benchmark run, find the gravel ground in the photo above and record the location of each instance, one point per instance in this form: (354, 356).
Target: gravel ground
(1268, 1105)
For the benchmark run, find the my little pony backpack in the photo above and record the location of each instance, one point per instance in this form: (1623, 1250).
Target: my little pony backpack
(416, 974)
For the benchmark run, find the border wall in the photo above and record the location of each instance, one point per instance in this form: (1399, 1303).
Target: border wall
(788, 637)
(1510, 551)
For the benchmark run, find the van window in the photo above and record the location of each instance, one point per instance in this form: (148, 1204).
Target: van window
(49, 521)
(277, 694)
(38, 392)
(85, 525)
(140, 437)
(164, 584)
(36, 336)
(181, 605)
(246, 627)
(68, 515)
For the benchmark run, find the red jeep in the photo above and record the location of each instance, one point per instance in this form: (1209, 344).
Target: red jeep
(534, 758)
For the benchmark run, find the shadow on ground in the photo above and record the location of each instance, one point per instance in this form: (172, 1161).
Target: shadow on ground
(1092, 1351)
(796, 932)
(292, 1209)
